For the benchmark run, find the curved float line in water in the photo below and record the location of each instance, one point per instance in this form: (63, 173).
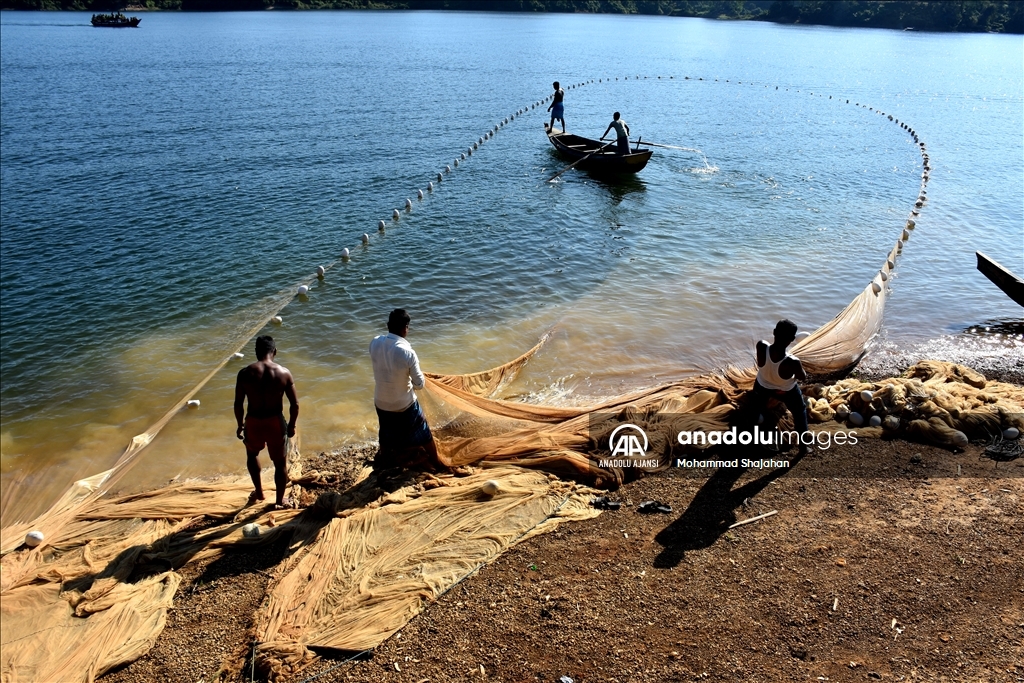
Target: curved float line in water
(862, 318)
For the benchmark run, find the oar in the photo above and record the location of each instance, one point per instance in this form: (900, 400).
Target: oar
(573, 164)
(655, 144)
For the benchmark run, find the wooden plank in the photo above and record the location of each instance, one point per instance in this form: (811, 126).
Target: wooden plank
(1001, 277)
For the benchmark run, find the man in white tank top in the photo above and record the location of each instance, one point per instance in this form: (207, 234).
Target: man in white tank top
(777, 376)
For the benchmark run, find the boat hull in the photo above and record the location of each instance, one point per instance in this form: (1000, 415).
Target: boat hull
(594, 158)
(130, 22)
(1002, 278)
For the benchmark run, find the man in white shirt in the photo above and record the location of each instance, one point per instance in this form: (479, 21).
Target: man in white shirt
(405, 438)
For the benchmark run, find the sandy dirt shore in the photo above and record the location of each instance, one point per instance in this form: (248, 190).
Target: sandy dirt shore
(912, 573)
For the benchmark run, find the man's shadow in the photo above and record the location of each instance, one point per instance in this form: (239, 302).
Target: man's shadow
(711, 511)
(175, 550)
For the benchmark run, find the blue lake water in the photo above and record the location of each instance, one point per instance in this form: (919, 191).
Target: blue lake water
(160, 188)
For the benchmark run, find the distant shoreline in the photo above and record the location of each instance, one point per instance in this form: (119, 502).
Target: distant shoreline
(970, 16)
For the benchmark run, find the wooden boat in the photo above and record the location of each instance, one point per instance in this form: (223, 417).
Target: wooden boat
(1001, 277)
(607, 160)
(115, 20)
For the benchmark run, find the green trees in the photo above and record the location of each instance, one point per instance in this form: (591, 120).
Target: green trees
(949, 15)
(923, 15)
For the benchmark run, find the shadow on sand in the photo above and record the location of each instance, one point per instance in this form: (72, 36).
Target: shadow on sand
(710, 512)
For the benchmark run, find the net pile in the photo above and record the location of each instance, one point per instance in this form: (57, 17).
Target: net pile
(940, 403)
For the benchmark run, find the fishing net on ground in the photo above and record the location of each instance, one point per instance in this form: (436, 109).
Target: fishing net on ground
(940, 403)
(361, 563)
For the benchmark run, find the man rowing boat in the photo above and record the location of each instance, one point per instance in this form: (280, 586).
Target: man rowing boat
(622, 133)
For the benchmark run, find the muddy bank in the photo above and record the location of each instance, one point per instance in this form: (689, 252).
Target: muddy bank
(903, 574)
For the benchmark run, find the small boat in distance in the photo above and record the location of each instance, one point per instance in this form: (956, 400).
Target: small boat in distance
(1002, 278)
(593, 158)
(114, 20)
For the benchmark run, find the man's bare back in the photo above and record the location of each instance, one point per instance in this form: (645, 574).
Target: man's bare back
(264, 384)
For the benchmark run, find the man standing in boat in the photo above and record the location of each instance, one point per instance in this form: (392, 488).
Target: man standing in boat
(405, 438)
(557, 109)
(264, 384)
(622, 133)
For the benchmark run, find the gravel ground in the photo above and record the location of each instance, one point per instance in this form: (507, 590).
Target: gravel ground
(901, 576)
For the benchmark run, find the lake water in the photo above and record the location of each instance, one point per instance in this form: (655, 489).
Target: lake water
(161, 188)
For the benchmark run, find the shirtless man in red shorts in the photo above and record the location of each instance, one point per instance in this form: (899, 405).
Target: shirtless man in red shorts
(264, 383)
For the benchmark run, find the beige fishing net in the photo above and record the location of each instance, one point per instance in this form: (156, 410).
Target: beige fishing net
(935, 402)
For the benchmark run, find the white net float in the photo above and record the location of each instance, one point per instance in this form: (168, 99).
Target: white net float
(395, 215)
(320, 270)
(303, 290)
(277, 320)
(345, 253)
(365, 238)
(34, 538)
(193, 403)
(380, 225)
(419, 194)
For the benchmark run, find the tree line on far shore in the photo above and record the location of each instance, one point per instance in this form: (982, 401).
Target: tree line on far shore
(922, 15)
